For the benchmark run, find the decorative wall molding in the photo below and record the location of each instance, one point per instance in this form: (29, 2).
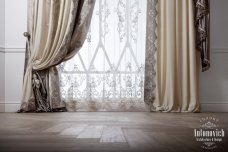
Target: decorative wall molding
(11, 102)
(216, 50)
(2, 108)
(214, 102)
(2, 50)
(214, 107)
(13, 106)
(15, 48)
(12, 50)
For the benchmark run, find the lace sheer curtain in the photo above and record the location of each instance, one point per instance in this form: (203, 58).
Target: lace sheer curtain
(107, 74)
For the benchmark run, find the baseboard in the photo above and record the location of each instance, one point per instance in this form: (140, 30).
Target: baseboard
(205, 106)
(214, 106)
(9, 106)
(2, 106)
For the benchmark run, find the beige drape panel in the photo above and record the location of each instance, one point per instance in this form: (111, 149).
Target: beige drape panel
(176, 66)
(57, 30)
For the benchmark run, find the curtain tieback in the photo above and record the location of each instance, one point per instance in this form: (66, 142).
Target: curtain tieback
(28, 36)
(29, 65)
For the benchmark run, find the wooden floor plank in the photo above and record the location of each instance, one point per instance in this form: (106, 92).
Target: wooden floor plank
(74, 130)
(91, 132)
(104, 132)
(112, 134)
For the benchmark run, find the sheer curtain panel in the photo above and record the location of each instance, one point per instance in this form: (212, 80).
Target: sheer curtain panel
(107, 74)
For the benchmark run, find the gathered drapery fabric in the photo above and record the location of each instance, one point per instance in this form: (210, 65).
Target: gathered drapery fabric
(171, 81)
(202, 21)
(56, 32)
(175, 30)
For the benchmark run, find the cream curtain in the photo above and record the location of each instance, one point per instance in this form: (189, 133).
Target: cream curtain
(174, 86)
(56, 31)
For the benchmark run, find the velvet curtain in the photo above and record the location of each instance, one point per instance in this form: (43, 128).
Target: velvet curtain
(173, 38)
(56, 32)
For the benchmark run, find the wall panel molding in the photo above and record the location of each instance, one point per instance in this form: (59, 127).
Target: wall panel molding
(217, 50)
(2, 108)
(2, 50)
(214, 107)
(12, 50)
(11, 106)
(214, 102)
(15, 50)
(10, 102)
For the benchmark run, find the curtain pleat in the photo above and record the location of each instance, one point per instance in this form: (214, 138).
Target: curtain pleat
(172, 61)
(175, 28)
(52, 26)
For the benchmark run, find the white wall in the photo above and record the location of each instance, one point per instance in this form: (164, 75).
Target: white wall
(213, 85)
(15, 23)
(14, 47)
(2, 26)
(2, 55)
(2, 79)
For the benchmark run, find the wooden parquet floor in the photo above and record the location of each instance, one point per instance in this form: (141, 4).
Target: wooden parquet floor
(105, 132)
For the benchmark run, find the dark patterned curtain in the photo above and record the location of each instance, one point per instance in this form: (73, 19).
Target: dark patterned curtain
(202, 15)
(151, 48)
